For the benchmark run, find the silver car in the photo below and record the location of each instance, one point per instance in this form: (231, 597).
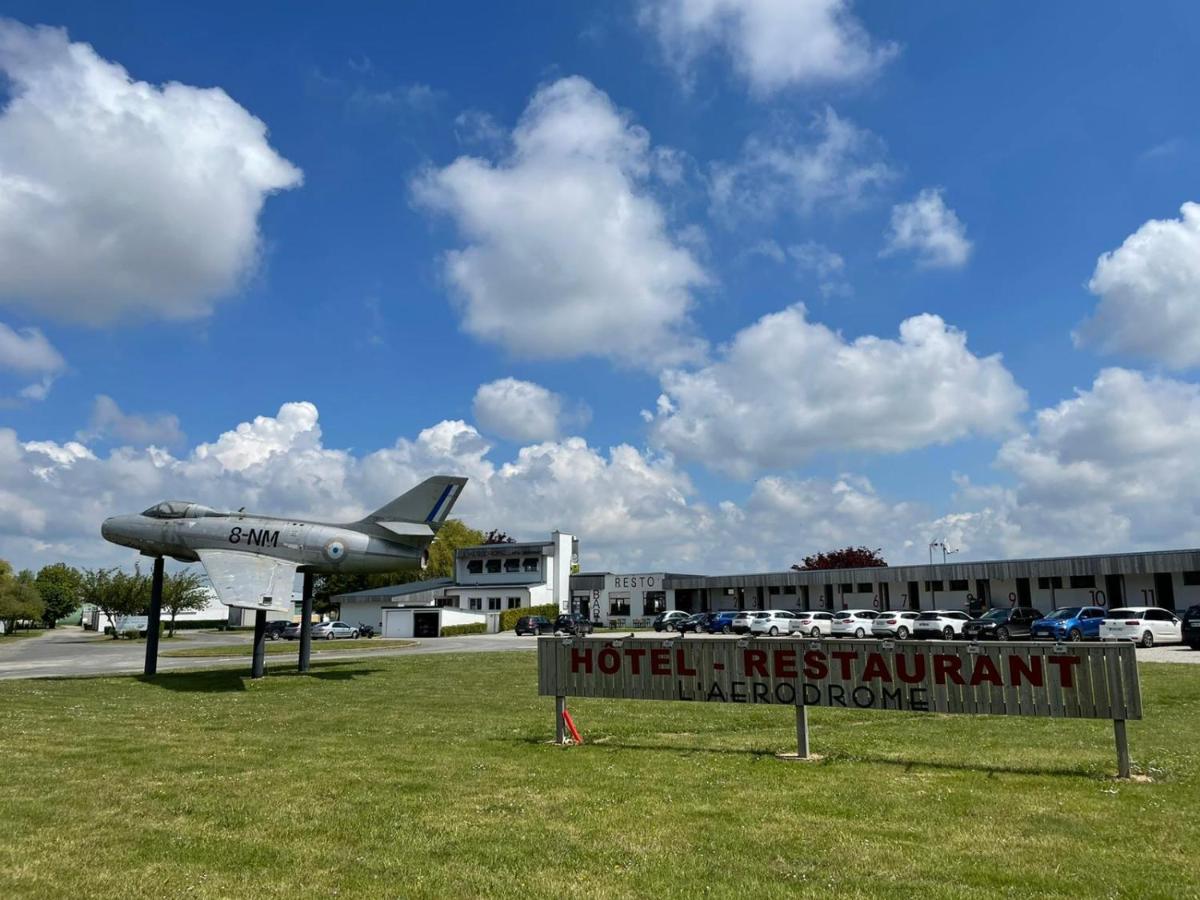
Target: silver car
(814, 623)
(894, 623)
(773, 622)
(331, 630)
(853, 622)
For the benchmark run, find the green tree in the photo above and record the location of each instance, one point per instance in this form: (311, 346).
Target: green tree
(19, 598)
(453, 535)
(60, 587)
(183, 592)
(116, 593)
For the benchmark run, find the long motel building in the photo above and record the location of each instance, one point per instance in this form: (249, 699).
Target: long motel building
(1165, 578)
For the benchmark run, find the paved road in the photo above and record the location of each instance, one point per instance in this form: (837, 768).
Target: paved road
(72, 652)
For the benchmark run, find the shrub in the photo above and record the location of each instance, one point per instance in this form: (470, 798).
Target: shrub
(508, 618)
(454, 630)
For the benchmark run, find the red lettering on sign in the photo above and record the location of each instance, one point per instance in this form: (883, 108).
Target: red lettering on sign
(635, 655)
(660, 661)
(985, 670)
(876, 669)
(1064, 664)
(845, 657)
(609, 660)
(915, 676)
(681, 666)
(1018, 669)
(581, 659)
(814, 665)
(785, 663)
(754, 662)
(947, 667)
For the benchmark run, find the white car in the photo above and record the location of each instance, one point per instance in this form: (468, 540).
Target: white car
(853, 622)
(741, 622)
(1145, 624)
(897, 623)
(940, 623)
(773, 622)
(814, 624)
(330, 630)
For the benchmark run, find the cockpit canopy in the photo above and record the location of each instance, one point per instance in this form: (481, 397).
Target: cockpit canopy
(181, 509)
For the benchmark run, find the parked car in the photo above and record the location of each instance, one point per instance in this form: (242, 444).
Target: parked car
(291, 632)
(276, 628)
(331, 630)
(1002, 624)
(815, 623)
(853, 622)
(773, 622)
(722, 622)
(698, 623)
(669, 620)
(897, 623)
(741, 622)
(1190, 631)
(1146, 625)
(1071, 623)
(940, 623)
(572, 623)
(534, 625)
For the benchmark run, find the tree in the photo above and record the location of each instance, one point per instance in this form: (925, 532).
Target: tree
(19, 598)
(115, 593)
(453, 535)
(846, 558)
(183, 592)
(496, 536)
(59, 585)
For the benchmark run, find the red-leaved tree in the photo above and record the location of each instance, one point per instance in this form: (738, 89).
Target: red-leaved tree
(848, 558)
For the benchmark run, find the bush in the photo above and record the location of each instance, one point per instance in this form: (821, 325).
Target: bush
(508, 618)
(454, 630)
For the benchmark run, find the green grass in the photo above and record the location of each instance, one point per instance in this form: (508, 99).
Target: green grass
(21, 633)
(430, 776)
(276, 648)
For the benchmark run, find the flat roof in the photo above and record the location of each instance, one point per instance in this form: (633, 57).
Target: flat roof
(395, 590)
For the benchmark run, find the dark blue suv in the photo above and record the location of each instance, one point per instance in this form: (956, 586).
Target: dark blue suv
(1071, 623)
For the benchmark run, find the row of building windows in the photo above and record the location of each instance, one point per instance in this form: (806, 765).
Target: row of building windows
(653, 602)
(492, 602)
(509, 566)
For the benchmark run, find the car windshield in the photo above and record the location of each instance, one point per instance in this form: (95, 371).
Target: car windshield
(1193, 611)
(996, 615)
(1069, 612)
(762, 615)
(1124, 614)
(928, 616)
(844, 615)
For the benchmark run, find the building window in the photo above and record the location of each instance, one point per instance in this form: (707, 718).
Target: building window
(933, 585)
(493, 566)
(530, 564)
(847, 589)
(475, 567)
(476, 603)
(493, 602)
(514, 602)
(1082, 581)
(789, 589)
(773, 589)
(864, 587)
(512, 565)
(618, 606)
(654, 602)
(958, 584)
(1045, 583)
(1191, 579)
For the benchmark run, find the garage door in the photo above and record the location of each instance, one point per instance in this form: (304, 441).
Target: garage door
(426, 624)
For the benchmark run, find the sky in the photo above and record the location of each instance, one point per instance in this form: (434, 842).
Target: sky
(711, 284)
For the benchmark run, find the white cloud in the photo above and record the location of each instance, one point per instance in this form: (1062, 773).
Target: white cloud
(120, 198)
(772, 44)
(27, 352)
(567, 253)
(1149, 290)
(841, 166)
(828, 267)
(786, 389)
(109, 421)
(928, 228)
(518, 410)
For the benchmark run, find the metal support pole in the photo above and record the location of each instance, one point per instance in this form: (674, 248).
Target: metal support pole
(1122, 748)
(306, 623)
(560, 727)
(802, 731)
(260, 644)
(152, 626)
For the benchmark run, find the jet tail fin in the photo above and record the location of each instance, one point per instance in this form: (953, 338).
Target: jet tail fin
(429, 503)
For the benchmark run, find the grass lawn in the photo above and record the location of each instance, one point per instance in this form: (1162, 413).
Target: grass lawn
(279, 648)
(20, 633)
(430, 776)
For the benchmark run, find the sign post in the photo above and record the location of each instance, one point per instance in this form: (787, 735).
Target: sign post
(1122, 748)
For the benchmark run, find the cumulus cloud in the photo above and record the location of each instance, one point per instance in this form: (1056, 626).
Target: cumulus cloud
(27, 352)
(110, 421)
(786, 388)
(837, 165)
(567, 252)
(772, 44)
(520, 410)
(1149, 290)
(929, 229)
(120, 198)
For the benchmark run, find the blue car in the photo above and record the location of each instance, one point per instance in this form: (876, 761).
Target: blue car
(1071, 623)
(722, 622)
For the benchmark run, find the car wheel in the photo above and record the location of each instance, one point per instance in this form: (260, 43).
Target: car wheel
(948, 633)
(1074, 635)
(774, 632)
(329, 637)
(727, 630)
(1147, 640)
(670, 627)
(356, 635)
(816, 632)
(858, 633)
(901, 633)
(1002, 633)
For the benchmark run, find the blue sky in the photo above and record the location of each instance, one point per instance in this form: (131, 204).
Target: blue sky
(1040, 139)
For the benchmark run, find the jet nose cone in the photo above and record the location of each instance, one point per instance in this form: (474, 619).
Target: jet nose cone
(106, 530)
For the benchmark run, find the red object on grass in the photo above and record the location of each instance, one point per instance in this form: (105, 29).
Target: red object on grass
(571, 727)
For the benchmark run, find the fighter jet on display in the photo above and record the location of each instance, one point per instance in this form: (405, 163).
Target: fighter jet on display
(252, 560)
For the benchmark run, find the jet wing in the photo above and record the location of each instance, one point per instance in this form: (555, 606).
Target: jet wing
(408, 529)
(250, 580)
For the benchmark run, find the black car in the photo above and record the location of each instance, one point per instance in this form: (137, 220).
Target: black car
(1002, 624)
(1191, 627)
(534, 625)
(698, 623)
(275, 629)
(572, 623)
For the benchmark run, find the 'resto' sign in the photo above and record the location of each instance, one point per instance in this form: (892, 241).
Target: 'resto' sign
(1015, 679)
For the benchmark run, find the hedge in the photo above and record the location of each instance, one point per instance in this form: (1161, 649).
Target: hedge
(508, 618)
(454, 630)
